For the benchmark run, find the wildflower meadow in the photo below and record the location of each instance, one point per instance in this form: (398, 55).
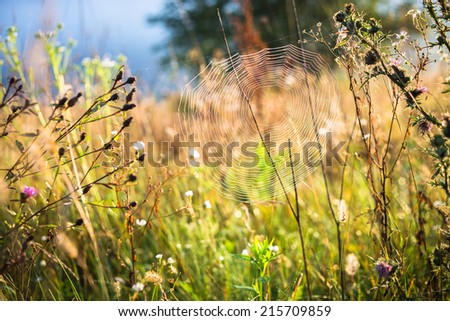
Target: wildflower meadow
(313, 168)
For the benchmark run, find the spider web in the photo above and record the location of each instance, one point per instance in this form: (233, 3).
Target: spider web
(292, 94)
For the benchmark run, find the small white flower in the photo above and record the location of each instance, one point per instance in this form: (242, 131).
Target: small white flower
(141, 222)
(114, 132)
(207, 204)
(138, 287)
(189, 193)
(170, 260)
(39, 279)
(244, 252)
(193, 153)
(402, 36)
(108, 62)
(221, 258)
(438, 204)
(43, 263)
(274, 248)
(86, 61)
(366, 136)
(44, 238)
(351, 264)
(395, 62)
(159, 256)
(139, 145)
(414, 13)
(120, 280)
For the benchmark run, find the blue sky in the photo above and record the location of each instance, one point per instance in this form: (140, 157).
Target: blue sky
(105, 27)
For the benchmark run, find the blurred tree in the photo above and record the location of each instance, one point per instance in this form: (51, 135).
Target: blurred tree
(196, 36)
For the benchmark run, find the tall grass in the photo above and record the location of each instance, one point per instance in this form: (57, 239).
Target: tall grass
(104, 225)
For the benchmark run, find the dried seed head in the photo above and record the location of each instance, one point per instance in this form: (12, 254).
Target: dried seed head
(371, 57)
(349, 8)
(74, 100)
(132, 204)
(82, 137)
(141, 157)
(107, 146)
(128, 107)
(424, 126)
(339, 16)
(130, 95)
(61, 151)
(114, 97)
(130, 80)
(79, 222)
(446, 129)
(61, 102)
(119, 76)
(132, 178)
(12, 80)
(86, 189)
(127, 122)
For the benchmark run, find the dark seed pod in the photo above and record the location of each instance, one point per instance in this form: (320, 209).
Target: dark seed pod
(141, 158)
(130, 95)
(132, 204)
(339, 16)
(12, 80)
(79, 222)
(119, 76)
(132, 178)
(127, 122)
(86, 189)
(130, 80)
(107, 146)
(128, 107)
(74, 100)
(61, 151)
(114, 97)
(61, 102)
(82, 137)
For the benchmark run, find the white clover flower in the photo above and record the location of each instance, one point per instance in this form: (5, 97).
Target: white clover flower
(170, 260)
(138, 287)
(139, 145)
(159, 256)
(207, 204)
(141, 222)
(189, 193)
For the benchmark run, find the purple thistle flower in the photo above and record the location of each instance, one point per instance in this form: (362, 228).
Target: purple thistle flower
(383, 269)
(423, 89)
(28, 192)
